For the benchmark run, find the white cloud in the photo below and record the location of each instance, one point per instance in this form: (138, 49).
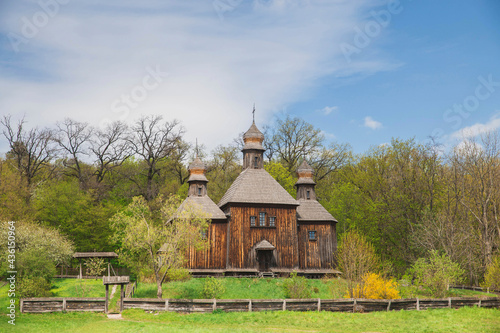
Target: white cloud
(371, 123)
(328, 109)
(89, 54)
(477, 129)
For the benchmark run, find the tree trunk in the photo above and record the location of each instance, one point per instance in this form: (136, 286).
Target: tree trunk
(160, 291)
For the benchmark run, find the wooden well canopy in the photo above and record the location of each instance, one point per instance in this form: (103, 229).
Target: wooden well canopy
(87, 255)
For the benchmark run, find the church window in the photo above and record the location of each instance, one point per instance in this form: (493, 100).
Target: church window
(256, 162)
(308, 194)
(199, 191)
(272, 221)
(252, 221)
(262, 219)
(204, 234)
(312, 234)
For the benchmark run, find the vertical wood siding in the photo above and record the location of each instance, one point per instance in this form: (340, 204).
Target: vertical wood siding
(215, 255)
(243, 238)
(318, 253)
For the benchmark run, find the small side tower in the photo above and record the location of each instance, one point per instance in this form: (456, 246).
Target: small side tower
(305, 184)
(253, 151)
(197, 179)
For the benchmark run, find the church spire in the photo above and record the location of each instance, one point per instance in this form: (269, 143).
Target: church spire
(253, 151)
(197, 179)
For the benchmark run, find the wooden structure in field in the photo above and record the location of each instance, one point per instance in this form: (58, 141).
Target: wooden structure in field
(258, 227)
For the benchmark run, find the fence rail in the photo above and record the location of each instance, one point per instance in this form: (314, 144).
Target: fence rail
(53, 304)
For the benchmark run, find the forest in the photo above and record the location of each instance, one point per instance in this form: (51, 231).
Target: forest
(407, 198)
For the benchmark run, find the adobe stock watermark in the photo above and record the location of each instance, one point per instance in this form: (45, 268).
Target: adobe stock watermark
(460, 111)
(363, 37)
(11, 271)
(131, 100)
(31, 26)
(223, 6)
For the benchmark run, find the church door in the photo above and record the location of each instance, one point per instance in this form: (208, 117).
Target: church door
(264, 258)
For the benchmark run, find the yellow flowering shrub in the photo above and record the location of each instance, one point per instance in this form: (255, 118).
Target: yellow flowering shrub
(375, 286)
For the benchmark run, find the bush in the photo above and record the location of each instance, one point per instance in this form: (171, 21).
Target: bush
(356, 257)
(95, 266)
(375, 286)
(296, 287)
(178, 274)
(492, 276)
(33, 263)
(213, 288)
(33, 287)
(436, 273)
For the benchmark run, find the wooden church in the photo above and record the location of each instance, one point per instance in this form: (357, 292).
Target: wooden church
(258, 228)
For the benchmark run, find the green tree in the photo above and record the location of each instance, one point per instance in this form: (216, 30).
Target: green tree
(492, 276)
(158, 238)
(75, 213)
(436, 273)
(284, 177)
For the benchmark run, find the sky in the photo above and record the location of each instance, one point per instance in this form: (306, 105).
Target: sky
(362, 71)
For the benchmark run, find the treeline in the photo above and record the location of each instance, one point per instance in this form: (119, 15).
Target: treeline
(407, 198)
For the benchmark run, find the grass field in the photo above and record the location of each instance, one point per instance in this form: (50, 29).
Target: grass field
(245, 288)
(446, 320)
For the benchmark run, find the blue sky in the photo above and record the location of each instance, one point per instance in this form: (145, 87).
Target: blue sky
(361, 71)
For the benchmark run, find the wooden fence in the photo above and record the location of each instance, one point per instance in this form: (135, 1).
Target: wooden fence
(59, 304)
(251, 305)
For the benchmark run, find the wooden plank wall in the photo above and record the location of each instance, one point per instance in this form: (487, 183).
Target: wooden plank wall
(318, 253)
(41, 305)
(215, 255)
(243, 237)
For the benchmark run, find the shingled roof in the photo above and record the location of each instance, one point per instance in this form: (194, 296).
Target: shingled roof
(257, 186)
(207, 206)
(312, 210)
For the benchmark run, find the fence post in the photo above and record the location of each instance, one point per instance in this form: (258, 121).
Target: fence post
(214, 306)
(284, 305)
(418, 305)
(319, 304)
(21, 305)
(389, 306)
(354, 306)
(479, 302)
(64, 305)
(449, 302)
(249, 305)
(166, 304)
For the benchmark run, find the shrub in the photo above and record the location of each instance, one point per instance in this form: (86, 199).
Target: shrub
(436, 273)
(35, 286)
(178, 274)
(95, 266)
(356, 257)
(213, 288)
(492, 276)
(33, 263)
(374, 286)
(296, 287)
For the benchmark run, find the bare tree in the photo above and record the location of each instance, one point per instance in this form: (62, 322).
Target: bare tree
(330, 159)
(74, 138)
(478, 163)
(32, 150)
(293, 139)
(153, 141)
(110, 148)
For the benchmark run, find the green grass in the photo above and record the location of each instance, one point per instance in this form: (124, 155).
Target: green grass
(255, 288)
(235, 288)
(443, 320)
(78, 288)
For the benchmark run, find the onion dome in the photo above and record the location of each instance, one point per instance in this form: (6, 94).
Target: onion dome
(253, 138)
(197, 170)
(305, 174)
